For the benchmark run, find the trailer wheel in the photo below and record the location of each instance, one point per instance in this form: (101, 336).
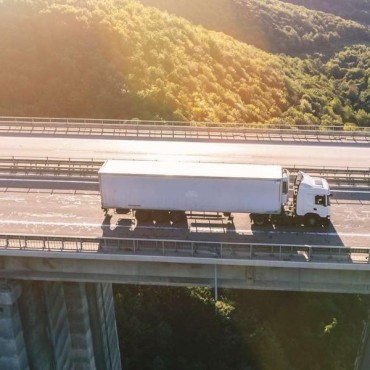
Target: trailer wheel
(311, 220)
(177, 216)
(259, 220)
(161, 216)
(143, 215)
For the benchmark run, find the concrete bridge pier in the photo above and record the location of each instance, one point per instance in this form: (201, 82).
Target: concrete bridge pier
(13, 355)
(57, 325)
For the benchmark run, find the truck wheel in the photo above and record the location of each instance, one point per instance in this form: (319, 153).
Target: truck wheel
(259, 220)
(122, 211)
(142, 215)
(177, 216)
(325, 222)
(161, 216)
(311, 220)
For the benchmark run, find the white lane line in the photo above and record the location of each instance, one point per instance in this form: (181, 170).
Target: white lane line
(192, 228)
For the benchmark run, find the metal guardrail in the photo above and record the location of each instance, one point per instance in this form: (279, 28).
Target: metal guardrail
(337, 175)
(167, 129)
(88, 168)
(186, 248)
(50, 167)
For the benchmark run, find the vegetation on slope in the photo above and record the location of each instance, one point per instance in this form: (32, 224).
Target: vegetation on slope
(119, 59)
(179, 328)
(271, 25)
(357, 10)
(122, 59)
(350, 70)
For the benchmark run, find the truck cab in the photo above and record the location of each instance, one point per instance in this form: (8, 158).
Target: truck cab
(312, 199)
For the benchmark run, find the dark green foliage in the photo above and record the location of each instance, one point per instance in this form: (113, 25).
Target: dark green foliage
(172, 328)
(311, 331)
(351, 71)
(179, 328)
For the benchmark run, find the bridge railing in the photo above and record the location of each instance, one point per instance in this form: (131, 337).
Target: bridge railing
(50, 166)
(89, 168)
(185, 248)
(116, 127)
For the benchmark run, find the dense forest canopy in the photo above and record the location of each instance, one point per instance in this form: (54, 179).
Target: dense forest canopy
(271, 25)
(121, 59)
(357, 10)
(245, 330)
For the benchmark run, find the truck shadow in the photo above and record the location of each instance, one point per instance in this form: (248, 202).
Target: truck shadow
(195, 224)
(300, 234)
(218, 229)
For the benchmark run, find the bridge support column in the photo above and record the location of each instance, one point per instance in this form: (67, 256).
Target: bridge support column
(79, 323)
(13, 354)
(36, 326)
(57, 325)
(103, 325)
(59, 330)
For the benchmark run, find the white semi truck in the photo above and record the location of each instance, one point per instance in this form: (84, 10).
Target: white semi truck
(164, 190)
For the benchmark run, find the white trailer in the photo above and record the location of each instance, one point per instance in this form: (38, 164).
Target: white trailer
(161, 189)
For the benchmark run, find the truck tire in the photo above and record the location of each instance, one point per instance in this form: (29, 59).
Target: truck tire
(161, 216)
(177, 217)
(311, 220)
(143, 215)
(122, 211)
(259, 220)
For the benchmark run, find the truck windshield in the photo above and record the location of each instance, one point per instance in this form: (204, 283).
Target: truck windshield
(321, 200)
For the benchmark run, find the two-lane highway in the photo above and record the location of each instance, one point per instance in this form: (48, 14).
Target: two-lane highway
(61, 209)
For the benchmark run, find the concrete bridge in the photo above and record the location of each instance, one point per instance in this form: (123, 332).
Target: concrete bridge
(57, 325)
(56, 303)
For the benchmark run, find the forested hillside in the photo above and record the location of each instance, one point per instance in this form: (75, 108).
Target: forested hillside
(271, 25)
(120, 59)
(357, 10)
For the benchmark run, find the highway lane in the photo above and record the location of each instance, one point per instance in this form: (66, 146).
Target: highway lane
(65, 210)
(261, 153)
(76, 212)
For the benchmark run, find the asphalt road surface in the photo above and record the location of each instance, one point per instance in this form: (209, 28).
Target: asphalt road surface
(72, 209)
(330, 155)
(77, 212)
